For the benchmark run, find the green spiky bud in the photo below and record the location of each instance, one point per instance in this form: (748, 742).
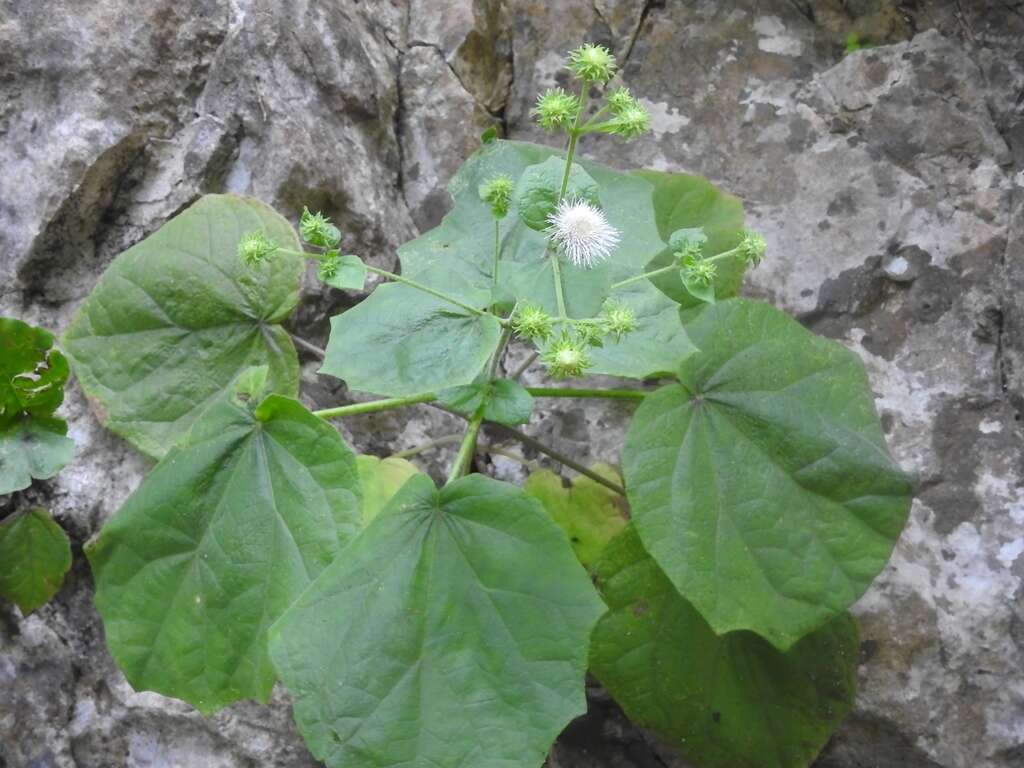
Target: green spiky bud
(328, 266)
(620, 100)
(532, 322)
(317, 229)
(688, 254)
(619, 320)
(700, 271)
(254, 247)
(556, 109)
(497, 193)
(752, 248)
(631, 122)
(566, 357)
(592, 63)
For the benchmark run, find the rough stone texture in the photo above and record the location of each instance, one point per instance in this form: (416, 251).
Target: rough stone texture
(889, 183)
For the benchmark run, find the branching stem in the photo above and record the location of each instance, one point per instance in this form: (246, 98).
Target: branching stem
(670, 268)
(614, 394)
(411, 283)
(467, 448)
(374, 405)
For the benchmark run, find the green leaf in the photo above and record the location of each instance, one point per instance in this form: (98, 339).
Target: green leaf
(690, 203)
(380, 480)
(698, 289)
(463, 243)
(729, 701)
(32, 447)
(656, 346)
(33, 442)
(32, 371)
(504, 401)
(647, 207)
(401, 341)
(175, 318)
(590, 514)
(34, 556)
(536, 195)
(348, 273)
(219, 539)
(761, 482)
(452, 632)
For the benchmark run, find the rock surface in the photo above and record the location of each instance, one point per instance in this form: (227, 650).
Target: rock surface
(889, 183)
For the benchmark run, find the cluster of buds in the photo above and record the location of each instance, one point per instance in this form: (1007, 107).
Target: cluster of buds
(695, 267)
(567, 354)
(557, 109)
(631, 118)
(316, 229)
(497, 193)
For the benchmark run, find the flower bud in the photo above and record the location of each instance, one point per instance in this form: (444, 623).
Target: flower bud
(700, 271)
(620, 100)
(592, 63)
(590, 332)
(556, 109)
(532, 322)
(688, 254)
(316, 229)
(254, 247)
(328, 266)
(752, 248)
(566, 357)
(631, 122)
(497, 193)
(619, 320)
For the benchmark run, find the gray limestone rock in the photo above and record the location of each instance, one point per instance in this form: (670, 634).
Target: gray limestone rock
(889, 183)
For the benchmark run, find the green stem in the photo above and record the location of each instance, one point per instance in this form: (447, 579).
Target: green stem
(670, 267)
(574, 135)
(614, 394)
(411, 283)
(645, 276)
(556, 271)
(374, 405)
(502, 343)
(467, 448)
(497, 248)
(431, 291)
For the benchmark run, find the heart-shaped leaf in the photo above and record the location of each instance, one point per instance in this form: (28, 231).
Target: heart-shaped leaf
(761, 483)
(34, 556)
(452, 632)
(724, 701)
(219, 539)
(400, 341)
(174, 319)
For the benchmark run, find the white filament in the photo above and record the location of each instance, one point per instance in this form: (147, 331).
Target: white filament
(582, 232)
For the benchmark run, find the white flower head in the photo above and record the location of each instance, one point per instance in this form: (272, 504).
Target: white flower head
(582, 232)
